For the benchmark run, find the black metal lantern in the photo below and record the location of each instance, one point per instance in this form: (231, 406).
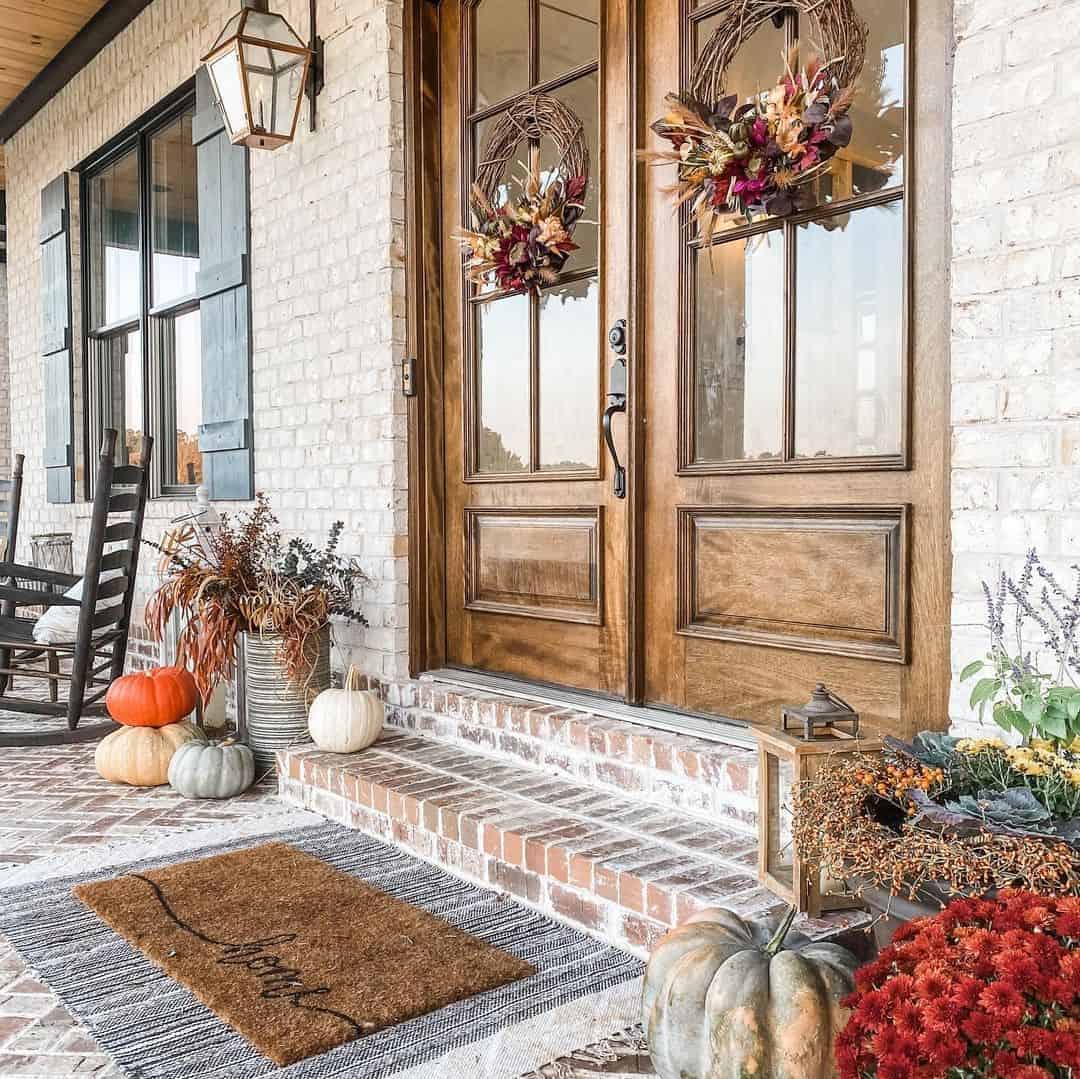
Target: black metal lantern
(825, 715)
(259, 69)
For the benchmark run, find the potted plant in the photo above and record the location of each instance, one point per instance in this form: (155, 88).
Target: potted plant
(258, 608)
(983, 990)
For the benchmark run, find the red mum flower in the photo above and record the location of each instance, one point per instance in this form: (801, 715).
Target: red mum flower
(965, 994)
(982, 1028)
(1003, 1001)
(932, 983)
(1067, 925)
(1029, 1071)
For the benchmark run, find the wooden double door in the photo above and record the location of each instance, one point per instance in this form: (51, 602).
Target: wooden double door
(767, 508)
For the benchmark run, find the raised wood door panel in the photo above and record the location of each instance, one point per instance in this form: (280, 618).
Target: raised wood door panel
(796, 459)
(535, 539)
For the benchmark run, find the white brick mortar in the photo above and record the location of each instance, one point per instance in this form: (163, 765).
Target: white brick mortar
(327, 276)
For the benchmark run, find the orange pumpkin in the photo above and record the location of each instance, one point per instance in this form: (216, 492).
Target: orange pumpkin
(153, 698)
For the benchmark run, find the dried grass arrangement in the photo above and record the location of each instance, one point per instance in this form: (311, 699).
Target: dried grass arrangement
(523, 242)
(856, 820)
(244, 576)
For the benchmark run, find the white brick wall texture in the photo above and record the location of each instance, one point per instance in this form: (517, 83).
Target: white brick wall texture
(5, 381)
(327, 287)
(1015, 301)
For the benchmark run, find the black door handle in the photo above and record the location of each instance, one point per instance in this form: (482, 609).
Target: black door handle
(616, 399)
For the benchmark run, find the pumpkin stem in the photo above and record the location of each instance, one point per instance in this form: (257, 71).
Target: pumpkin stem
(352, 678)
(777, 941)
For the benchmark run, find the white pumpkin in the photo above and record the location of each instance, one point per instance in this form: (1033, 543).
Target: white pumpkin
(212, 770)
(346, 720)
(140, 756)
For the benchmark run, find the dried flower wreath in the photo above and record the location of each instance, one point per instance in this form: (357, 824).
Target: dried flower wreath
(759, 157)
(523, 243)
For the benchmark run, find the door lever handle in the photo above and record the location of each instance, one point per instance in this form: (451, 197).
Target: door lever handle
(616, 399)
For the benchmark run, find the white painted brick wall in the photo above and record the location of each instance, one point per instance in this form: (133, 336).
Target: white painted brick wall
(5, 378)
(1015, 300)
(327, 286)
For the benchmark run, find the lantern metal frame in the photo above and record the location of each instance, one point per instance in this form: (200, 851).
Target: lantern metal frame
(311, 77)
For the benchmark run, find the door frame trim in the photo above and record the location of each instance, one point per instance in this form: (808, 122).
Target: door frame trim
(424, 346)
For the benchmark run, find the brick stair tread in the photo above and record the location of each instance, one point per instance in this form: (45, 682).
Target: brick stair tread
(644, 859)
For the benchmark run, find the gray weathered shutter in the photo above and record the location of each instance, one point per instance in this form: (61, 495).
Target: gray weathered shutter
(56, 341)
(225, 435)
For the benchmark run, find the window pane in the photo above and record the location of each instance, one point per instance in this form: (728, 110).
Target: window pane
(569, 353)
(849, 336)
(739, 350)
(569, 35)
(502, 361)
(118, 392)
(115, 286)
(174, 211)
(502, 50)
(179, 355)
(583, 97)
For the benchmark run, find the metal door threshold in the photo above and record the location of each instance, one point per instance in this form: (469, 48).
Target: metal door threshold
(713, 729)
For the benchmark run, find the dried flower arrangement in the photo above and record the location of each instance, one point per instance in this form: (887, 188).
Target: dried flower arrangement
(758, 157)
(521, 244)
(1022, 698)
(984, 990)
(244, 576)
(935, 816)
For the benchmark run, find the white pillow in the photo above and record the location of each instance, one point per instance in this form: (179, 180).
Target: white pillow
(60, 624)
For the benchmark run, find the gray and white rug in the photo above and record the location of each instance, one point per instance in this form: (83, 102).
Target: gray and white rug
(155, 1029)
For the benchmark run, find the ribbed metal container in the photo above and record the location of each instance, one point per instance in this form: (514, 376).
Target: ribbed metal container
(271, 711)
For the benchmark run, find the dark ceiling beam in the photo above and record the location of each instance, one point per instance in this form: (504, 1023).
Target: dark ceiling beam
(68, 62)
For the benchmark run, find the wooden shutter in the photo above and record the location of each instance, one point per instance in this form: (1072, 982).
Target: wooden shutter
(56, 341)
(224, 301)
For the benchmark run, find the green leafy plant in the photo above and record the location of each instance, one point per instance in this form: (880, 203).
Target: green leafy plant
(1020, 696)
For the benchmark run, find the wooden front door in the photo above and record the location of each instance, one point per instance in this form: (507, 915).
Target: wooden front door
(785, 511)
(535, 538)
(796, 403)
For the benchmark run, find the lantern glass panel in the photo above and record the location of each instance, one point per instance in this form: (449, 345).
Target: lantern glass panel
(229, 86)
(275, 83)
(266, 26)
(231, 28)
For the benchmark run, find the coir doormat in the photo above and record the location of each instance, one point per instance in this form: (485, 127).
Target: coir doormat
(154, 1027)
(294, 954)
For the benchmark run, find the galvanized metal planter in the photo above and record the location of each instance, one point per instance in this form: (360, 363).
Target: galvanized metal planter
(271, 711)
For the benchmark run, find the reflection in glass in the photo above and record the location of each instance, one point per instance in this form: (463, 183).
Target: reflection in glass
(177, 342)
(174, 212)
(569, 35)
(113, 214)
(568, 376)
(117, 375)
(502, 362)
(739, 350)
(583, 97)
(501, 50)
(849, 341)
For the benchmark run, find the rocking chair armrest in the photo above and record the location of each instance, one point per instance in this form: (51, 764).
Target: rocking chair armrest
(36, 573)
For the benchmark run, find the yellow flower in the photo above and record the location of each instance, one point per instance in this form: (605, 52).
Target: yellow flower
(979, 745)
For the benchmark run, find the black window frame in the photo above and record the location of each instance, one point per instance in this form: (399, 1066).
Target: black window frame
(158, 386)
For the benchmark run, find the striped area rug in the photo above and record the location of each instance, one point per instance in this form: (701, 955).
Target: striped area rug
(155, 1029)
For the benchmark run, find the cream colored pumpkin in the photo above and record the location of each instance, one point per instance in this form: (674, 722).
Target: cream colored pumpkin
(348, 719)
(140, 756)
(726, 998)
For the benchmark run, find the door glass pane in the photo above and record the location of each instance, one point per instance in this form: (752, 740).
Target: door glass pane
(174, 212)
(113, 208)
(583, 97)
(501, 55)
(569, 405)
(179, 352)
(849, 336)
(739, 350)
(569, 35)
(118, 392)
(502, 363)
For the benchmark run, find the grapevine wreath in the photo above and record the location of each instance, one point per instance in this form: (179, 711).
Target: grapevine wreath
(522, 243)
(758, 156)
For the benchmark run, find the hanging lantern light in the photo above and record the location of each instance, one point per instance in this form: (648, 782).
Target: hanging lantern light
(259, 70)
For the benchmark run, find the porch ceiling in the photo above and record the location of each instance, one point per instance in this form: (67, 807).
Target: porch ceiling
(32, 32)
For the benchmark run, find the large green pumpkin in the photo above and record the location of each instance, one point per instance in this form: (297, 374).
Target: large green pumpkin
(727, 998)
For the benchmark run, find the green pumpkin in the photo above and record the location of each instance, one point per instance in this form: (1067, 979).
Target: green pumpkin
(213, 770)
(727, 998)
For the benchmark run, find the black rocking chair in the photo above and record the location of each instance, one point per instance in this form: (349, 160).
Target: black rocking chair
(97, 652)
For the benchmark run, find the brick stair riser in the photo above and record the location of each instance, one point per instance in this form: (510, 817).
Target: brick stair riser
(696, 777)
(626, 909)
